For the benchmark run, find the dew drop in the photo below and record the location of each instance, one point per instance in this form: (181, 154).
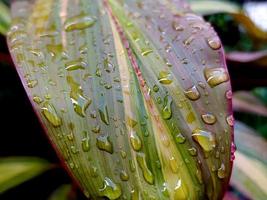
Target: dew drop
(173, 165)
(164, 190)
(131, 122)
(216, 76)
(146, 51)
(98, 72)
(221, 171)
(180, 191)
(214, 43)
(180, 138)
(230, 120)
(205, 139)
(229, 94)
(96, 129)
(176, 26)
(147, 174)
(192, 93)
(209, 118)
(124, 176)
(134, 195)
(50, 114)
(110, 189)
(79, 22)
(193, 151)
(165, 78)
(123, 154)
(79, 101)
(135, 141)
(155, 88)
(167, 112)
(103, 143)
(32, 83)
(75, 65)
(85, 142)
(37, 99)
(103, 112)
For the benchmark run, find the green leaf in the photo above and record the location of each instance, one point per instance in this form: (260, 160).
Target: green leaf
(61, 193)
(5, 18)
(16, 170)
(208, 7)
(137, 103)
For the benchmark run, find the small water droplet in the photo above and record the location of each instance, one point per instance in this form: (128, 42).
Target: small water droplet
(147, 174)
(165, 78)
(103, 143)
(192, 93)
(214, 43)
(209, 118)
(193, 151)
(146, 51)
(229, 94)
(221, 171)
(103, 112)
(124, 175)
(230, 120)
(50, 114)
(155, 88)
(123, 154)
(134, 195)
(131, 122)
(167, 112)
(165, 190)
(37, 99)
(98, 72)
(74, 149)
(180, 138)
(205, 139)
(180, 191)
(189, 40)
(79, 22)
(32, 83)
(96, 129)
(135, 141)
(176, 26)
(173, 165)
(75, 65)
(110, 189)
(216, 76)
(85, 142)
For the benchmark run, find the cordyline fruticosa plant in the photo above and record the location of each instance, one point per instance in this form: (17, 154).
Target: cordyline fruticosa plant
(134, 95)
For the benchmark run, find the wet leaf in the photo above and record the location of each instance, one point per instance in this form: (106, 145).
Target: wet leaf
(137, 103)
(5, 18)
(16, 170)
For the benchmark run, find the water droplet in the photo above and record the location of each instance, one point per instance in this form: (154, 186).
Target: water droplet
(173, 165)
(193, 151)
(124, 176)
(214, 43)
(135, 141)
(180, 138)
(74, 149)
(146, 51)
(209, 118)
(108, 66)
(229, 94)
(79, 101)
(164, 190)
(165, 78)
(54, 49)
(205, 139)
(131, 122)
(96, 129)
(110, 189)
(32, 83)
(165, 140)
(134, 195)
(221, 172)
(86, 142)
(189, 40)
(167, 112)
(216, 76)
(159, 100)
(50, 114)
(75, 65)
(98, 72)
(123, 154)
(79, 22)
(176, 26)
(155, 88)
(180, 191)
(103, 112)
(230, 120)
(37, 99)
(147, 174)
(103, 143)
(192, 93)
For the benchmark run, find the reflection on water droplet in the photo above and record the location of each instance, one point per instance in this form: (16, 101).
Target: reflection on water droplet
(221, 172)
(165, 78)
(79, 101)
(135, 141)
(79, 22)
(180, 138)
(50, 114)
(110, 189)
(230, 120)
(103, 143)
(209, 118)
(216, 76)
(147, 174)
(214, 43)
(192, 93)
(205, 139)
(167, 112)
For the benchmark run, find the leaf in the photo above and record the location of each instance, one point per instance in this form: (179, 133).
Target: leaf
(5, 18)
(16, 170)
(61, 193)
(137, 103)
(209, 7)
(246, 102)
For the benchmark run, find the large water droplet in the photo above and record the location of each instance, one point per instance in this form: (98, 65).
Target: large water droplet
(165, 78)
(167, 111)
(79, 101)
(147, 174)
(79, 22)
(103, 143)
(205, 139)
(192, 93)
(135, 141)
(209, 118)
(216, 76)
(110, 189)
(50, 114)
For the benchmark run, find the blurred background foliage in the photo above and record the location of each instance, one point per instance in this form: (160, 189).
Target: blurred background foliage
(244, 36)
